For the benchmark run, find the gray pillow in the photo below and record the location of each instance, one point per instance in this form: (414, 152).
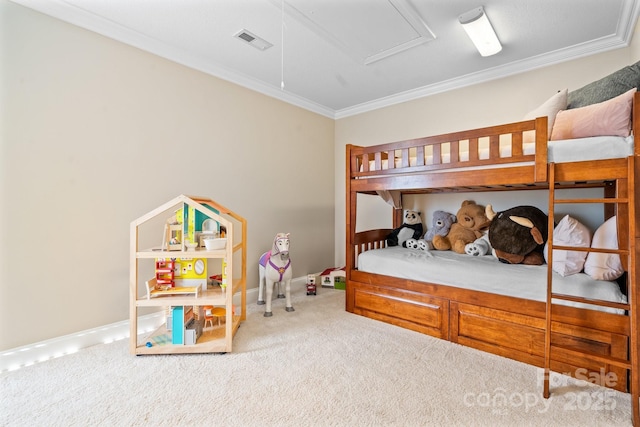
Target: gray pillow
(606, 88)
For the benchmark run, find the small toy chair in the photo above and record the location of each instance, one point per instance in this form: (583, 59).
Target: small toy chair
(211, 312)
(208, 315)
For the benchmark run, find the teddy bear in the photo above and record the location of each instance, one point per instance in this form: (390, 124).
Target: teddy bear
(471, 223)
(440, 225)
(411, 228)
(518, 234)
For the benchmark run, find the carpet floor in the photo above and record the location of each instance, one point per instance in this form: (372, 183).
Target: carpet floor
(316, 366)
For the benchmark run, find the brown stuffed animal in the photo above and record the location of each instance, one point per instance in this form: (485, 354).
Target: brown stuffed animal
(471, 224)
(518, 235)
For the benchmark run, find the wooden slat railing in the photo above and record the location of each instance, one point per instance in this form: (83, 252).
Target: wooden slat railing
(430, 153)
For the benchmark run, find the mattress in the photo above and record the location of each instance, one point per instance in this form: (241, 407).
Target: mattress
(487, 274)
(561, 151)
(595, 148)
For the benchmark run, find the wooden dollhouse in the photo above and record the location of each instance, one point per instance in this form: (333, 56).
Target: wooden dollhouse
(229, 262)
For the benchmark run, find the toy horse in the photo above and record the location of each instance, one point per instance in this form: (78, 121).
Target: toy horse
(275, 267)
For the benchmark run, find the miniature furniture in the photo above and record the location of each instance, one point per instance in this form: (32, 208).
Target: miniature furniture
(174, 237)
(208, 315)
(154, 289)
(211, 313)
(230, 262)
(165, 274)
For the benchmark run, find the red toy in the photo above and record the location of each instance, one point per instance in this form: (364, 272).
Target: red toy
(311, 284)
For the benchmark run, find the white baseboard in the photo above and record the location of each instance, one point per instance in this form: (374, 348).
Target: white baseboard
(28, 355)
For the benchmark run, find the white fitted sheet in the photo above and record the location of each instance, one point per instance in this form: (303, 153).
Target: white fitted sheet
(486, 274)
(595, 148)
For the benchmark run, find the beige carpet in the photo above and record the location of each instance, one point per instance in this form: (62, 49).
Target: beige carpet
(317, 366)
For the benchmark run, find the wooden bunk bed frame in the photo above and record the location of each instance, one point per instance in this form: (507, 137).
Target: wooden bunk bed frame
(556, 337)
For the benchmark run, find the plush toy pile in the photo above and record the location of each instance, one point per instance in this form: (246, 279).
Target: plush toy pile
(471, 223)
(515, 236)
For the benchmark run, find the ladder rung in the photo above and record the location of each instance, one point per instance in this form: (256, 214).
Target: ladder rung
(583, 249)
(598, 302)
(622, 363)
(600, 200)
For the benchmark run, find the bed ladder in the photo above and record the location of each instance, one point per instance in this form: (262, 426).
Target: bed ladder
(623, 202)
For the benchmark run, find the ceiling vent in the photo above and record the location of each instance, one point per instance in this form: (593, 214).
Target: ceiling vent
(253, 40)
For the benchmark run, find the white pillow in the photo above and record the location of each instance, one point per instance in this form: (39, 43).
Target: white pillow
(601, 266)
(569, 232)
(550, 108)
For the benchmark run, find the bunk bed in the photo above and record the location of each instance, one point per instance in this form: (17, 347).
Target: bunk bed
(557, 331)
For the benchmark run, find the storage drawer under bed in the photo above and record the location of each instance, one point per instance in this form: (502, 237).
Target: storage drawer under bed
(411, 310)
(521, 337)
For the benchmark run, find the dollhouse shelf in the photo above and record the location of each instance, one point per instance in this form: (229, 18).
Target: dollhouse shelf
(197, 253)
(231, 260)
(208, 297)
(213, 341)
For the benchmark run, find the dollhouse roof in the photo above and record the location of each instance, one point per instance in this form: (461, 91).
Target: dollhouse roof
(201, 204)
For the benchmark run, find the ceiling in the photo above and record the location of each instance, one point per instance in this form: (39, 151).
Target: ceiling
(345, 57)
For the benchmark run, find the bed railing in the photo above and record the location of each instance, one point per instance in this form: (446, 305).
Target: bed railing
(368, 240)
(495, 145)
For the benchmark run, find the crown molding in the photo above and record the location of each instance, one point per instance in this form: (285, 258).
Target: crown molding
(513, 68)
(71, 14)
(74, 15)
(621, 39)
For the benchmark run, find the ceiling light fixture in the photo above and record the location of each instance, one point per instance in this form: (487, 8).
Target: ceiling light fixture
(480, 31)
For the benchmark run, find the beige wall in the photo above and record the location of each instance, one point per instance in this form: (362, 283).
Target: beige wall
(500, 101)
(96, 133)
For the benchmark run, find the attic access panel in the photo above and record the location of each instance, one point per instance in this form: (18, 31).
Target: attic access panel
(367, 31)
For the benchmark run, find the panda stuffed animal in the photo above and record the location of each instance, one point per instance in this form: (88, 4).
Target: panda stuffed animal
(419, 245)
(411, 228)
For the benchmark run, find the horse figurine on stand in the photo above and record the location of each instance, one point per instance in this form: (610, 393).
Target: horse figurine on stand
(275, 267)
